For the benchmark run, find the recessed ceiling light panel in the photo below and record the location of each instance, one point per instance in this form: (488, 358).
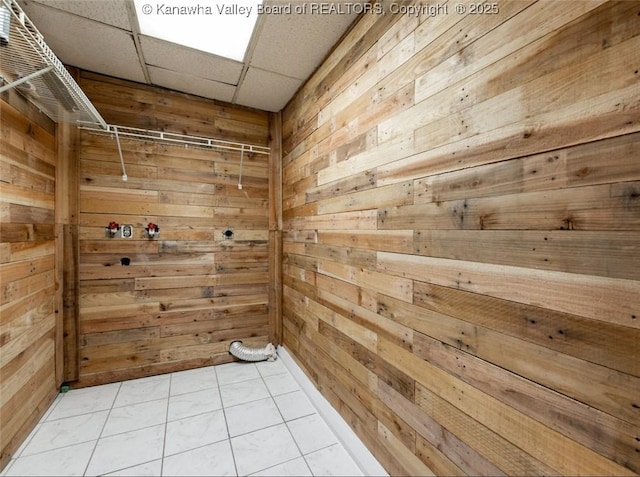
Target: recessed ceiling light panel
(220, 27)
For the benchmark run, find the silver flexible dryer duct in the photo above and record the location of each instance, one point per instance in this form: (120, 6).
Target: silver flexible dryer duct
(245, 353)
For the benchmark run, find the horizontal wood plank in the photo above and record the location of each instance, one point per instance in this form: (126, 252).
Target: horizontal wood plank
(186, 293)
(518, 131)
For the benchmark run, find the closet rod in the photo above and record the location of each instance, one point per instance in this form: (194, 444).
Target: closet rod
(178, 139)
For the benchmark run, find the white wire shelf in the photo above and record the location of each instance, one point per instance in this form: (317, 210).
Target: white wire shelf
(28, 65)
(178, 139)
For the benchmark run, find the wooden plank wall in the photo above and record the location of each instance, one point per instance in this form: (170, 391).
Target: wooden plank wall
(187, 294)
(30, 295)
(461, 247)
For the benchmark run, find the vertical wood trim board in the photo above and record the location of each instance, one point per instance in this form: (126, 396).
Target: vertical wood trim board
(67, 215)
(461, 223)
(188, 293)
(275, 229)
(30, 295)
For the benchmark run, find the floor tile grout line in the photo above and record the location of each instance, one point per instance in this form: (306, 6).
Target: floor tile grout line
(261, 429)
(131, 467)
(264, 378)
(34, 432)
(272, 397)
(101, 436)
(226, 423)
(247, 402)
(168, 421)
(166, 426)
(282, 463)
(195, 448)
(243, 381)
(139, 381)
(54, 449)
(43, 422)
(350, 442)
(284, 421)
(299, 449)
(72, 416)
(316, 412)
(93, 451)
(26, 443)
(132, 430)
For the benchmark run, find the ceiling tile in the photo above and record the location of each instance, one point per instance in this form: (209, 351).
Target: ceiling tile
(96, 35)
(295, 45)
(190, 84)
(266, 90)
(110, 12)
(86, 43)
(170, 56)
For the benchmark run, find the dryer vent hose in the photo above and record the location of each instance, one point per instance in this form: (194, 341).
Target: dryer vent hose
(245, 353)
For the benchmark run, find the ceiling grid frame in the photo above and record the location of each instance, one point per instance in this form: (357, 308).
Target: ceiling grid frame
(90, 36)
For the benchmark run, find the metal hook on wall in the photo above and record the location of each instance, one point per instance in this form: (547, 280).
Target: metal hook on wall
(240, 175)
(124, 172)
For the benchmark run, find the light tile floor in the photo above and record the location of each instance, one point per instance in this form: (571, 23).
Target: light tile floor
(233, 419)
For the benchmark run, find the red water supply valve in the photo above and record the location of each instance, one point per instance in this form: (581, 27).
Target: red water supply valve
(152, 230)
(112, 229)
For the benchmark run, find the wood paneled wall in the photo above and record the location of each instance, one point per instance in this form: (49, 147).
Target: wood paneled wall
(461, 203)
(190, 292)
(30, 291)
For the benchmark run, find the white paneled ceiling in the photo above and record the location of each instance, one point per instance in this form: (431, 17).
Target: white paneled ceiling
(103, 36)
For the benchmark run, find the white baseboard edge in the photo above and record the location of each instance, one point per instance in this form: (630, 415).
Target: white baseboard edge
(350, 441)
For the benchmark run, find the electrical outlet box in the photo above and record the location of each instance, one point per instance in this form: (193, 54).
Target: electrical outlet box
(126, 231)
